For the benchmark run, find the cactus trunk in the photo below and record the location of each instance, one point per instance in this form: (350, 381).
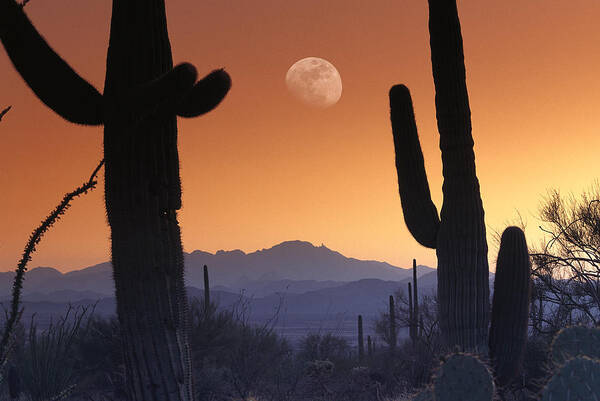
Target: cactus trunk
(411, 315)
(206, 290)
(361, 341)
(463, 287)
(392, 323)
(459, 238)
(142, 195)
(415, 298)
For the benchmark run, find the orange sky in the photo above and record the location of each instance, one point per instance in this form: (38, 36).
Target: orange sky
(264, 168)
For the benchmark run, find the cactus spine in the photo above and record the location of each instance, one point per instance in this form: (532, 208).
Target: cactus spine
(143, 94)
(361, 341)
(458, 235)
(392, 323)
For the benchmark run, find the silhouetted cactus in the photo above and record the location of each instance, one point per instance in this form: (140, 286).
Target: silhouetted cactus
(392, 324)
(576, 341)
(459, 237)
(510, 305)
(361, 341)
(413, 306)
(577, 380)
(411, 315)
(416, 300)
(463, 377)
(206, 290)
(143, 93)
(369, 348)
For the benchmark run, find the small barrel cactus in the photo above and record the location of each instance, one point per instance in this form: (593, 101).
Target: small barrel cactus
(576, 341)
(576, 380)
(463, 377)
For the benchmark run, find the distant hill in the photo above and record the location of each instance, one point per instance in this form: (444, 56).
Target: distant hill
(290, 260)
(292, 267)
(312, 308)
(331, 308)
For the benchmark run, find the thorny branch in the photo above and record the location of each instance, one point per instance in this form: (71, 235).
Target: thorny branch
(34, 240)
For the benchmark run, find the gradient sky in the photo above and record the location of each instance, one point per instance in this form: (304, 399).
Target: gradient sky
(264, 168)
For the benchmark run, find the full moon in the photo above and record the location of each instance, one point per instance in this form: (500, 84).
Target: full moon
(315, 82)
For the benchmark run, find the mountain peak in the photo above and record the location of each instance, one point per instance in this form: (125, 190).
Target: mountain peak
(289, 260)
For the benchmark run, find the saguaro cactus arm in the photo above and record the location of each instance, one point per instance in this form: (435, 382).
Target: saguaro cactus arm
(206, 94)
(164, 92)
(420, 213)
(46, 73)
(177, 92)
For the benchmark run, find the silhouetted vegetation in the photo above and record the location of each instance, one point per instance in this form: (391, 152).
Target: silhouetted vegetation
(143, 95)
(78, 357)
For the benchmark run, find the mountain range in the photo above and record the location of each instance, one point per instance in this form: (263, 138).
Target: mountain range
(292, 267)
(308, 288)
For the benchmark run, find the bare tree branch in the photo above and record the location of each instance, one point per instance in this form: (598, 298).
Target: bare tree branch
(34, 240)
(3, 112)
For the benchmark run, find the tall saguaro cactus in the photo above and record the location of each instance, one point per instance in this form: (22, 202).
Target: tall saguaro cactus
(143, 94)
(458, 235)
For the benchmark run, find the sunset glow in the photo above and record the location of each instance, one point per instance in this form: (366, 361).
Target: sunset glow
(262, 168)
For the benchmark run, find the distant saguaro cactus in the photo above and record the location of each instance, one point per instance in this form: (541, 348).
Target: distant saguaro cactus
(369, 347)
(206, 290)
(143, 94)
(411, 316)
(415, 297)
(361, 341)
(392, 324)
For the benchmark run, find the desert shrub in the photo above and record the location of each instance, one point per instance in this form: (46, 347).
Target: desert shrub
(49, 364)
(99, 359)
